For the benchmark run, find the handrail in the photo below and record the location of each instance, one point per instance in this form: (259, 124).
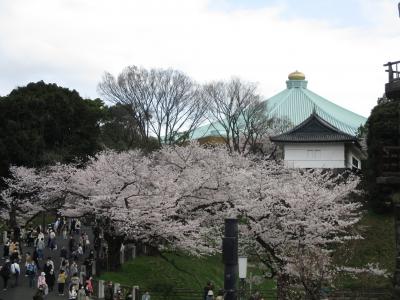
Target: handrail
(394, 73)
(391, 63)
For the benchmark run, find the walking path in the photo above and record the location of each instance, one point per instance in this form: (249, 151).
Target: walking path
(22, 291)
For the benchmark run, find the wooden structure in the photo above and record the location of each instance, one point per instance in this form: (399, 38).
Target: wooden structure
(389, 166)
(392, 88)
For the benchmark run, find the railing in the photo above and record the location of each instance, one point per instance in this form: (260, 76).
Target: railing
(381, 294)
(393, 70)
(100, 286)
(392, 88)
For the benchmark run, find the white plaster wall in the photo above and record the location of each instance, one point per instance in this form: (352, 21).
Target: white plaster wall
(350, 152)
(314, 155)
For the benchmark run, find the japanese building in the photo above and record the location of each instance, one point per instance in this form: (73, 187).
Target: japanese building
(324, 134)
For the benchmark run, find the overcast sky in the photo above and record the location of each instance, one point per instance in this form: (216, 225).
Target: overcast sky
(340, 45)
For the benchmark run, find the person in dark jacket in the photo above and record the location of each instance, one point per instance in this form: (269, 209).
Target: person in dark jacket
(71, 245)
(38, 295)
(6, 248)
(208, 287)
(64, 253)
(35, 257)
(109, 291)
(50, 279)
(5, 273)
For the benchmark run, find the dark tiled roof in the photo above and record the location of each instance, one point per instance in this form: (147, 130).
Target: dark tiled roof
(314, 129)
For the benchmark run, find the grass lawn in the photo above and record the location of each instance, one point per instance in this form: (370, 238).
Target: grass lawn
(378, 246)
(156, 274)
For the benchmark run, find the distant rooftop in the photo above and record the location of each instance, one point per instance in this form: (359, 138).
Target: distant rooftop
(313, 130)
(296, 103)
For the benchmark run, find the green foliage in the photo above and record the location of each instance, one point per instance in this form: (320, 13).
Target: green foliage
(119, 130)
(362, 131)
(382, 127)
(44, 123)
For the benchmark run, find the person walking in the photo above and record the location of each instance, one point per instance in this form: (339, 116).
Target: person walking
(64, 253)
(51, 279)
(146, 296)
(15, 255)
(65, 232)
(64, 265)
(52, 240)
(40, 247)
(208, 287)
(15, 271)
(41, 283)
(38, 295)
(81, 293)
(31, 270)
(89, 286)
(73, 269)
(78, 227)
(71, 245)
(57, 225)
(6, 273)
(62, 278)
(72, 293)
(109, 291)
(210, 295)
(35, 258)
(48, 266)
(220, 295)
(6, 248)
(88, 264)
(75, 281)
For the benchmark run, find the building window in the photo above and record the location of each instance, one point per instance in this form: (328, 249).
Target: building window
(355, 162)
(314, 154)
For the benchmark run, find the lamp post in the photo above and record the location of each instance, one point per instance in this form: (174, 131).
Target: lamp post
(242, 275)
(230, 258)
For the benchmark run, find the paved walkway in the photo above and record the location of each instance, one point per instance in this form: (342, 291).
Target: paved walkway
(23, 292)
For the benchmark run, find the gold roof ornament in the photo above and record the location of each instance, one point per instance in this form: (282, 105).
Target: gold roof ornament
(296, 76)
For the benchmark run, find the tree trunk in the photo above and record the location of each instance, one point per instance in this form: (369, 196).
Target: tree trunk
(312, 295)
(282, 287)
(12, 222)
(113, 252)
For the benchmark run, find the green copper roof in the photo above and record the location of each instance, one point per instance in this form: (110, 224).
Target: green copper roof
(297, 103)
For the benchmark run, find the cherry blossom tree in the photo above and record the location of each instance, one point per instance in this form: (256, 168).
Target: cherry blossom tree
(298, 213)
(163, 200)
(178, 197)
(30, 191)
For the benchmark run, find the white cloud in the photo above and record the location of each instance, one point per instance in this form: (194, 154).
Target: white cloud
(73, 42)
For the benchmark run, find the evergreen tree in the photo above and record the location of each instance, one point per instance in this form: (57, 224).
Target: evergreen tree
(43, 123)
(383, 130)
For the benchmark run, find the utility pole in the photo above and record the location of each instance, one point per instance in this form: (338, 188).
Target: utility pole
(230, 258)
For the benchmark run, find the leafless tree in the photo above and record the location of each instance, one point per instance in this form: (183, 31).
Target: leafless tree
(163, 103)
(237, 114)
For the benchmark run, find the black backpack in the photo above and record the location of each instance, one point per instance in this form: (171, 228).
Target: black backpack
(6, 270)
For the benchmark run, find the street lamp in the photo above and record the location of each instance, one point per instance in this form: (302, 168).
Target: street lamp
(242, 274)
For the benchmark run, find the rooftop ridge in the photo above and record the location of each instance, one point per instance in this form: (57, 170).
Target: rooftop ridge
(334, 104)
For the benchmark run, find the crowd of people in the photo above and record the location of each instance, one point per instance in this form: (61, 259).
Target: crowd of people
(208, 293)
(43, 274)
